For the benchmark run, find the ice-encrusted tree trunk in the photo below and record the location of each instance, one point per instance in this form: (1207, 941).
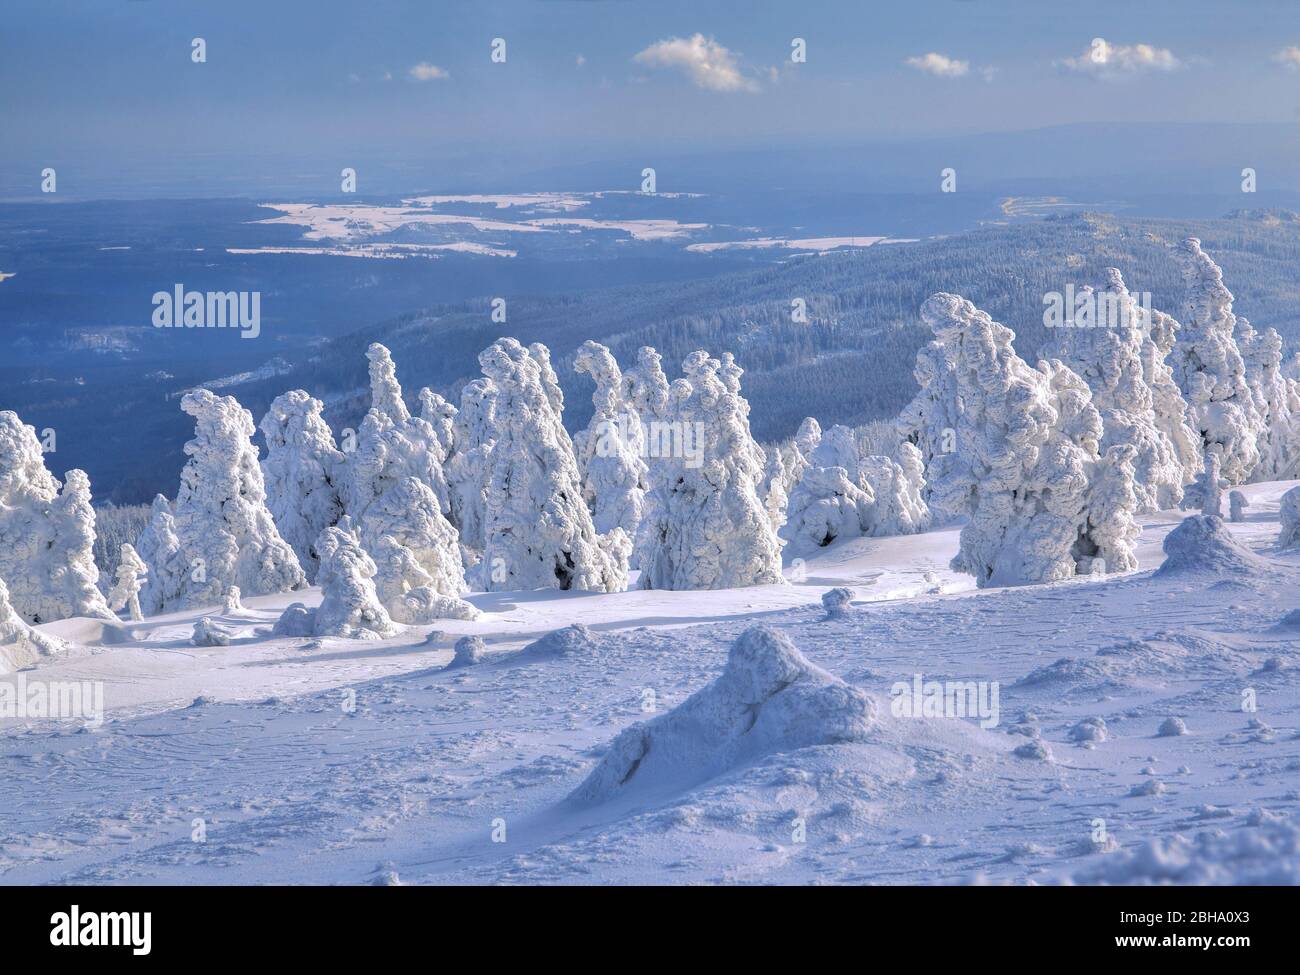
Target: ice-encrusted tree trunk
(470, 465)
(225, 531)
(47, 534)
(304, 473)
(538, 532)
(131, 573)
(1108, 356)
(1277, 400)
(415, 548)
(929, 421)
(1208, 366)
(609, 451)
(707, 528)
(159, 549)
(1026, 464)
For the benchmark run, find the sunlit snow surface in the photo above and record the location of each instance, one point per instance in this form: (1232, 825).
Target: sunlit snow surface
(254, 739)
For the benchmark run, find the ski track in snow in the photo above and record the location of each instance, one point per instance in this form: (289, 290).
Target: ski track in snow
(293, 788)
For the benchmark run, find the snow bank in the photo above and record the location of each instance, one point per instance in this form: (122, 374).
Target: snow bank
(575, 639)
(768, 699)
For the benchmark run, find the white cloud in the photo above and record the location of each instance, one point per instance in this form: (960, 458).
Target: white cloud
(1106, 59)
(580, 60)
(424, 71)
(702, 59)
(939, 65)
(1289, 56)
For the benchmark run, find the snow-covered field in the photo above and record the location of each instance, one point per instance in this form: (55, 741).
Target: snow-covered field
(250, 763)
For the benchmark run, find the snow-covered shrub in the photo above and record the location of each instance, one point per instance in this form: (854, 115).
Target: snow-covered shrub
(304, 473)
(209, 633)
(706, 527)
(20, 644)
(470, 650)
(131, 573)
(408, 518)
(897, 486)
(825, 506)
(1205, 493)
(1172, 728)
(1208, 366)
(769, 698)
(1109, 357)
(232, 603)
(576, 639)
(1236, 506)
(1289, 515)
(1043, 503)
(349, 607)
(225, 531)
(836, 602)
(538, 532)
(609, 451)
(47, 535)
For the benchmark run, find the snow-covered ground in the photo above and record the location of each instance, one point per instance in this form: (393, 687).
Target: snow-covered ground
(250, 764)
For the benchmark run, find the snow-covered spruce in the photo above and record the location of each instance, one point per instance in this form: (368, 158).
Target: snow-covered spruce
(350, 607)
(898, 485)
(776, 500)
(47, 535)
(304, 473)
(538, 532)
(1044, 504)
(417, 553)
(610, 450)
(769, 698)
(1173, 415)
(1289, 516)
(20, 645)
(1109, 356)
(1277, 400)
(1208, 366)
(441, 416)
(929, 421)
(470, 465)
(159, 549)
(225, 533)
(1237, 506)
(825, 506)
(131, 573)
(706, 527)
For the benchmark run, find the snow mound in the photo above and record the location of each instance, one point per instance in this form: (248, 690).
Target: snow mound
(209, 633)
(768, 699)
(469, 651)
(20, 644)
(836, 602)
(1172, 728)
(1201, 543)
(574, 639)
(1266, 852)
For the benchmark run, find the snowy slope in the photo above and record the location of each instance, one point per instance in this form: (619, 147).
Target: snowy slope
(258, 741)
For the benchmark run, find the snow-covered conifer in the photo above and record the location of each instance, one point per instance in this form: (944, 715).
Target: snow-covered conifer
(349, 607)
(929, 421)
(72, 579)
(609, 451)
(1289, 515)
(1208, 366)
(304, 473)
(470, 465)
(1277, 400)
(538, 532)
(775, 499)
(225, 531)
(159, 549)
(1236, 506)
(707, 528)
(131, 572)
(441, 415)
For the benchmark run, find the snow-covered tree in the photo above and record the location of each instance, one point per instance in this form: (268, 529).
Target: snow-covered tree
(349, 606)
(609, 451)
(1236, 506)
(1277, 400)
(1108, 356)
(707, 528)
(131, 572)
(897, 485)
(1208, 366)
(415, 548)
(825, 506)
(647, 386)
(159, 549)
(469, 468)
(47, 535)
(1174, 417)
(225, 531)
(1026, 468)
(441, 415)
(304, 473)
(1289, 516)
(538, 532)
(929, 421)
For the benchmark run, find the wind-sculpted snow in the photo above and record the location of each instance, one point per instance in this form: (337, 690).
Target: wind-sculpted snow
(1209, 368)
(304, 473)
(538, 532)
(1044, 504)
(705, 527)
(47, 534)
(20, 645)
(768, 699)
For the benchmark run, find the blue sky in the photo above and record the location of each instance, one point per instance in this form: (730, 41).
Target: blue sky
(104, 83)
